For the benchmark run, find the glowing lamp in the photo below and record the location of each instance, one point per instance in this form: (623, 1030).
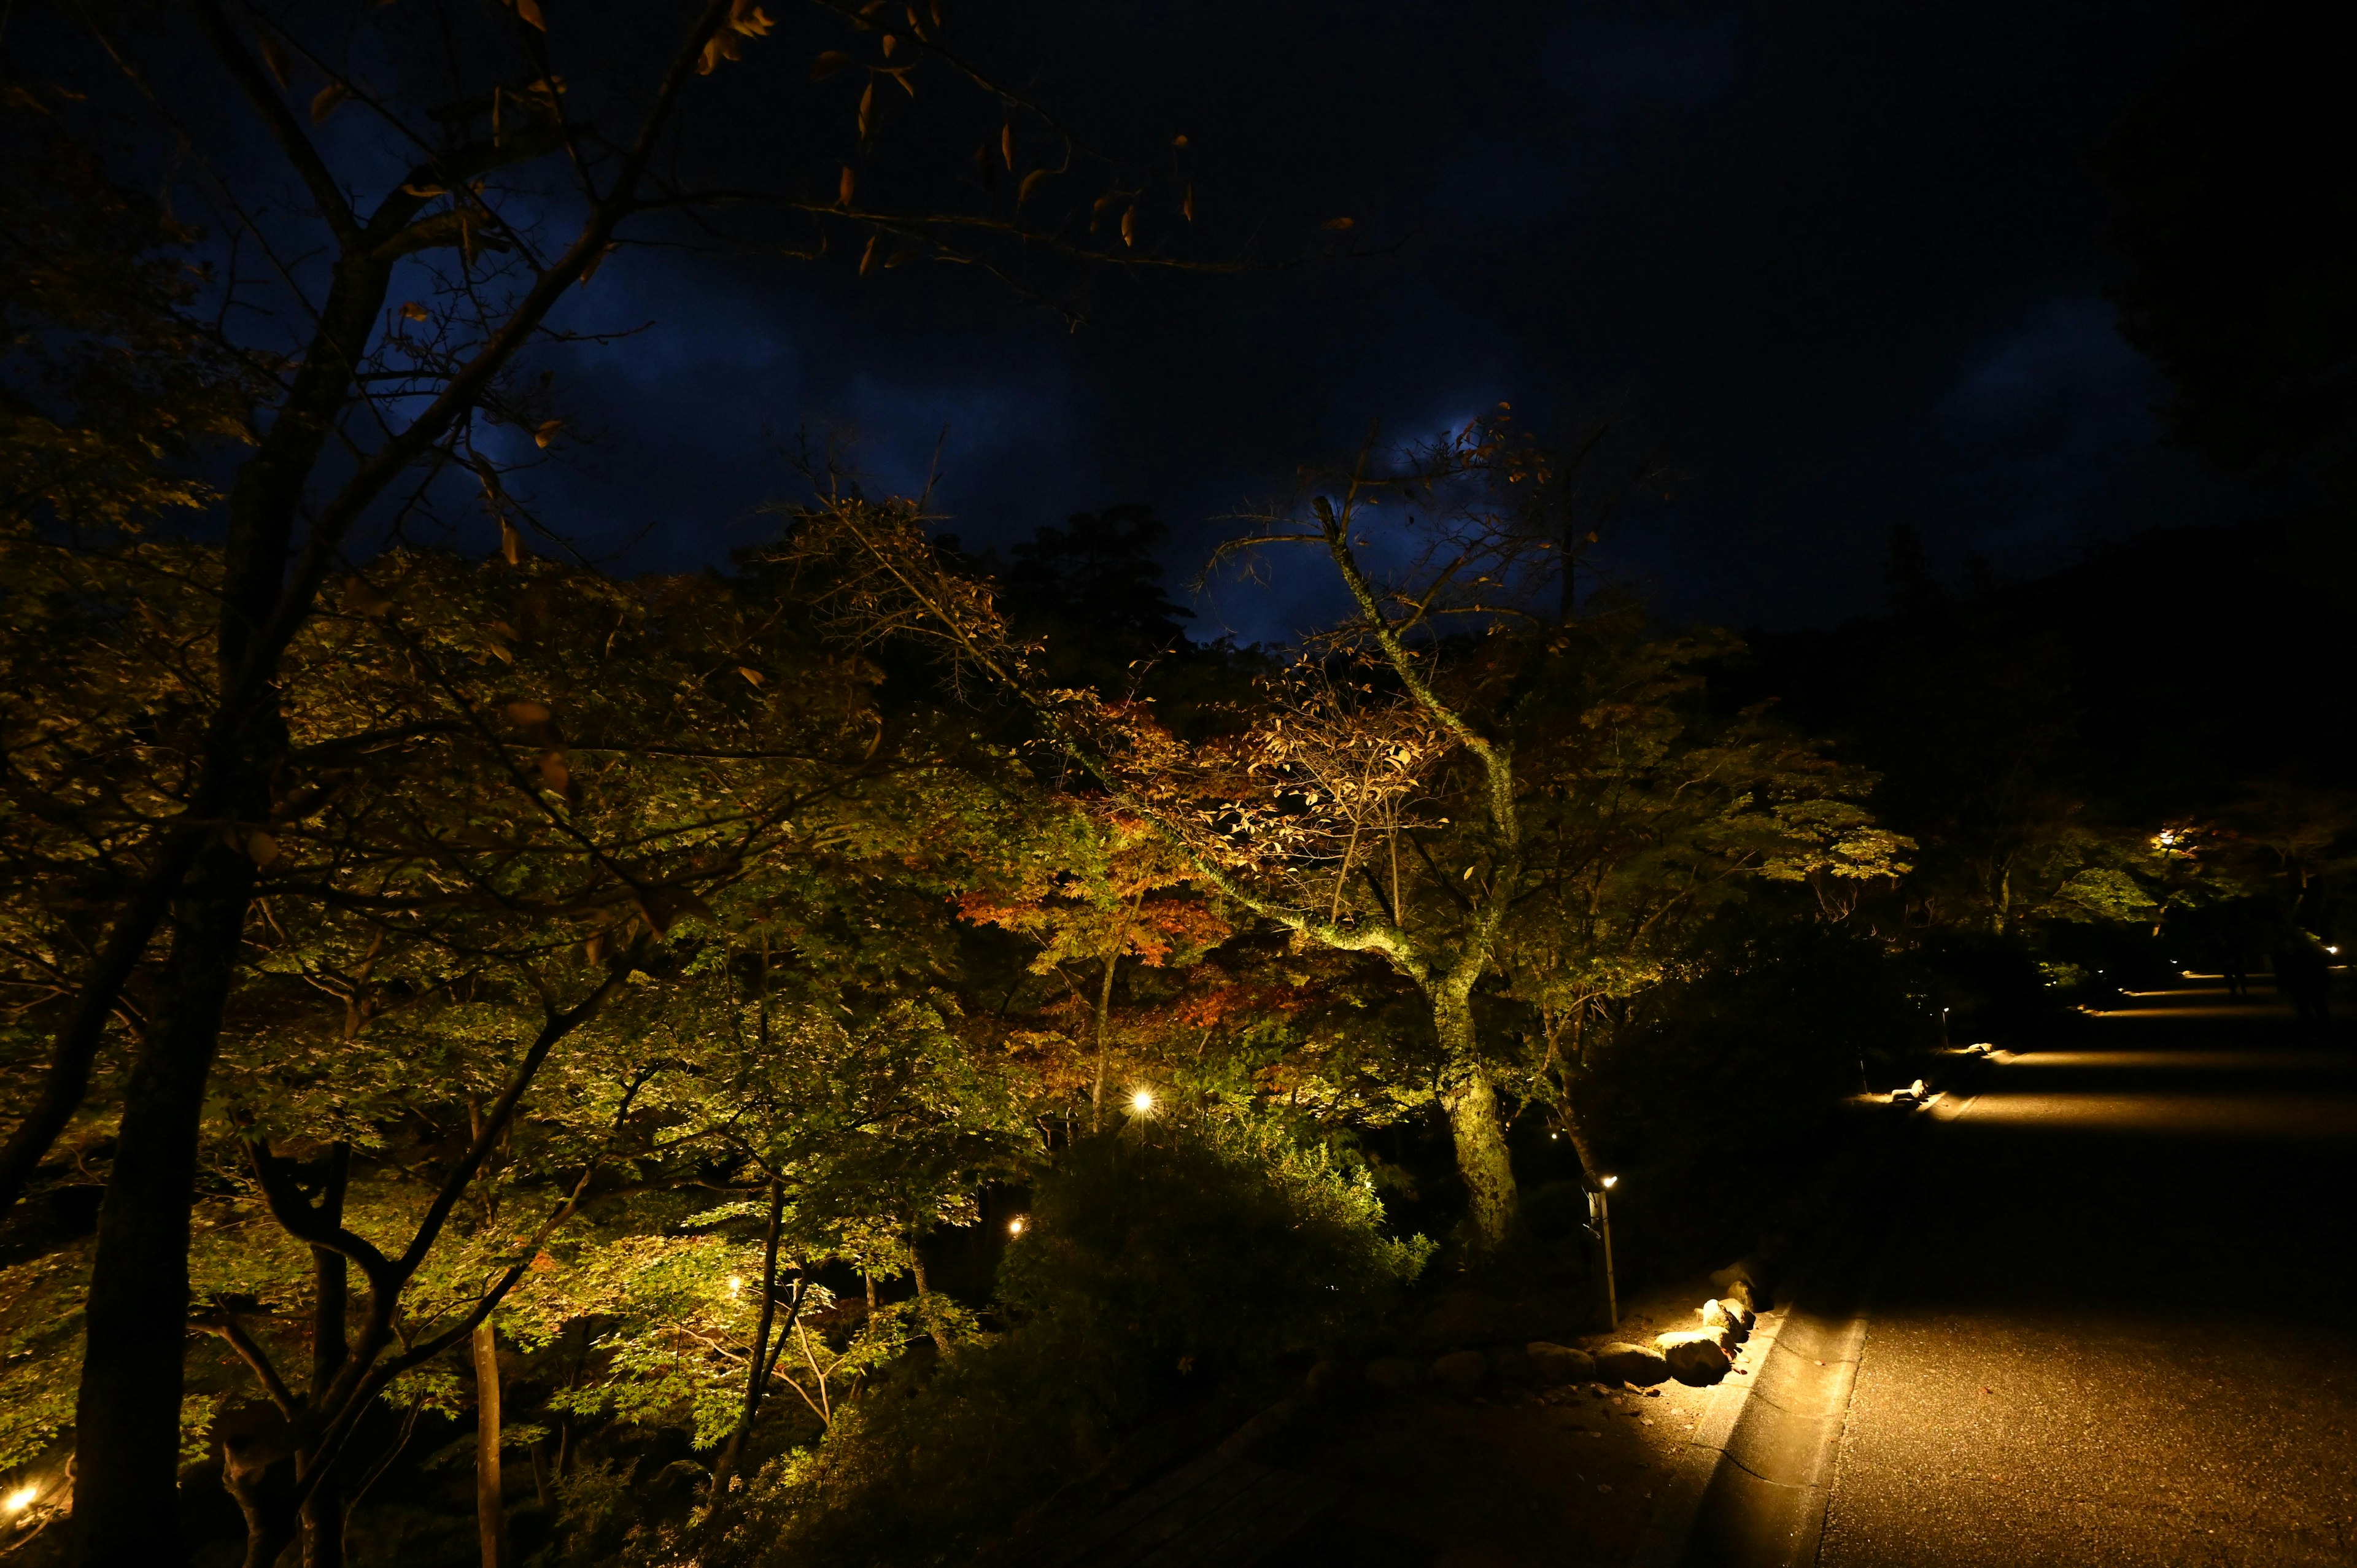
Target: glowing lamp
(1142, 1102)
(1608, 1182)
(20, 1499)
(1015, 1226)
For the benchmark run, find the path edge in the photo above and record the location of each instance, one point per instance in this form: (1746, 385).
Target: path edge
(1753, 1485)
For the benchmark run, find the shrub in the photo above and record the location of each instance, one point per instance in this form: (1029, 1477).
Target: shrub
(1156, 1262)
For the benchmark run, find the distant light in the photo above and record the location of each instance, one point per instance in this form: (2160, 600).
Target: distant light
(21, 1499)
(1142, 1102)
(1553, 1136)
(2331, 949)
(1609, 1181)
(1015, 1226)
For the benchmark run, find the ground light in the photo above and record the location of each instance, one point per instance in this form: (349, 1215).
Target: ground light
(20, 1499)
(1600, 1213)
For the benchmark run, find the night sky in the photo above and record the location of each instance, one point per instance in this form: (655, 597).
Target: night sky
(1842, 264)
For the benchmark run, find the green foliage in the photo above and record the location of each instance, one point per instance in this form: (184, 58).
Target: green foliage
(1215, 1243)
(1161, 1258)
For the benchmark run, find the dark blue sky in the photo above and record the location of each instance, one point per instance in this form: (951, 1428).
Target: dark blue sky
(1843, 261)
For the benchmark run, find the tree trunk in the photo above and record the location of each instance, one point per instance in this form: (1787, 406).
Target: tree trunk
(756, 1370)
(323, 1509)
(323, 1525)
(1471, 1102)
(925, 1299)
(127, 1410)
(490, 1507)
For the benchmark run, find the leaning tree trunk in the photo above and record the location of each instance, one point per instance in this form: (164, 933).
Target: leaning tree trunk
(1472, 1101)
(127, 1413)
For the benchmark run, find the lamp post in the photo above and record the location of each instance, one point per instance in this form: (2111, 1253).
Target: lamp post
(1599, 1216)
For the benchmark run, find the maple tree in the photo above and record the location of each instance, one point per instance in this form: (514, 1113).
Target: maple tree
(1384, 791)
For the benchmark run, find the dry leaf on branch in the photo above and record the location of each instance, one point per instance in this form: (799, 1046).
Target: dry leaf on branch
(867, 257)
(663, 906)
(362, 597)
(413, 311)
(1338, 225)
(846, 186)
(827, 64)
(1031, 183)
(329, 96)
(1007, 144)
(1129, 227)
(274, 55)
(529, 10)
(546, 434)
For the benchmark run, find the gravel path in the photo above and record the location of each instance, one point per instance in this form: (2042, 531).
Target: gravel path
(2115, 1325)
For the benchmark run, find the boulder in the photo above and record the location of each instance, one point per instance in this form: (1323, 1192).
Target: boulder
(1639, 1364)
(1726, 1334)
(1462, 1371)
(1560, 1363)
(1693, 1356)
(1735, 1312)
(1327, 1380)
(1393, 1373)
(1739, 1291)
(1756, 1273)
(1512, 1364)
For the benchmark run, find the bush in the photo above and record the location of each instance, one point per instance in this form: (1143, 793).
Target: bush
(1156, 1262)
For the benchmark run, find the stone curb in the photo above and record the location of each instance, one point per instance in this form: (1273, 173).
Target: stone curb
(1752, 1489)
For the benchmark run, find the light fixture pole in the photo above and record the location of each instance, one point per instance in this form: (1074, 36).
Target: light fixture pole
(1599, 1216)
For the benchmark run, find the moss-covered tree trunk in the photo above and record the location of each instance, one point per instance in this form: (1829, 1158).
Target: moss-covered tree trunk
(1471, 1099)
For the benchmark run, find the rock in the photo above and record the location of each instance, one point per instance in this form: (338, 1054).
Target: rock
(1743, 1270)
(1693, 1356)
(1637, 1364)
(1741, 1290)
(1726, 1336)
(1392, 1373)
(1326, 1380)
(1462, 1371)
(1510, 1364)
(1737, 1312)
(1560, 1363)
(1756, 1272)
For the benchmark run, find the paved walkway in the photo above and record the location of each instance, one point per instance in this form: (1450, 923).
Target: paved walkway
(2119, 1324)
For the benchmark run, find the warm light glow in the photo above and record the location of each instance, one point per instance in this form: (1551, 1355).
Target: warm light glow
(1608, 1181)
(21, 1499)
(736, 1284)
(1142, 1102)
(1015, 1226)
